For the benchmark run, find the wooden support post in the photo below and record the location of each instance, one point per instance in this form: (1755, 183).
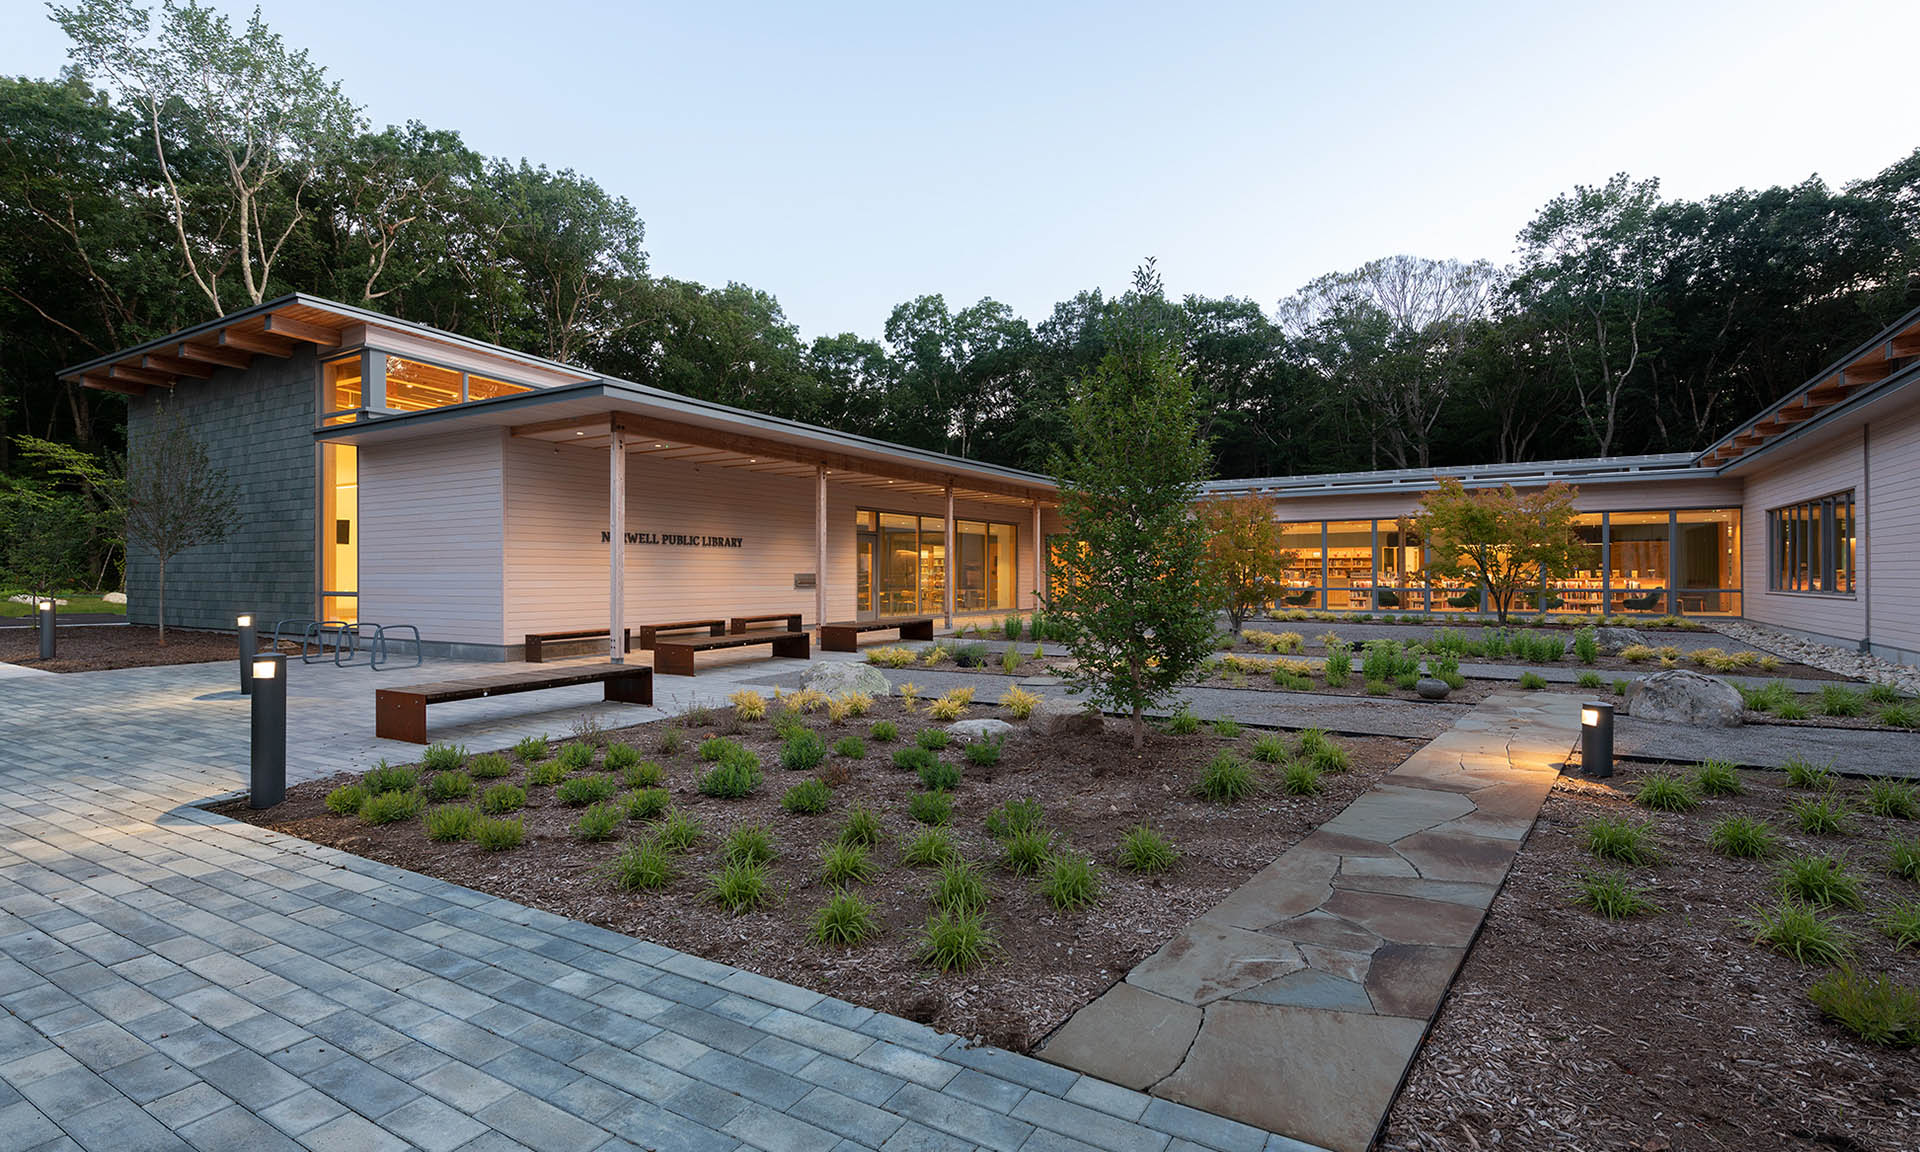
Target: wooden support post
(1039, 557)
(616, 543)
(946, 599)
(820, 545)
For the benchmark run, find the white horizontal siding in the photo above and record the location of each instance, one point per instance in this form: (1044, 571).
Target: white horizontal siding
(1893, 531)
(430, 536)
(1821, 466)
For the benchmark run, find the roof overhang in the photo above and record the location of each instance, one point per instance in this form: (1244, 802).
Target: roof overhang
(1603, 470)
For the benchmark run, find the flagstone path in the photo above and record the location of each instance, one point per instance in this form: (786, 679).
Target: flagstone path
(1297, 1003)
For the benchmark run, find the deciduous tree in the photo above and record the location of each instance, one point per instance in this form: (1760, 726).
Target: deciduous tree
(176, 498)
(1244, 565)
(1510, 541)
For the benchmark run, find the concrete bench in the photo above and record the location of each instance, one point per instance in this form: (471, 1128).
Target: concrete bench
(536, 642)
(650, 633)
(675, 657)
(844, 636)
(401, 713)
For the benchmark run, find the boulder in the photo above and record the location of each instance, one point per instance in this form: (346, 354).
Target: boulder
(29, 598)
(115, 598)
(1431, 689)
(1060, 718)
(835, 677)
(984, 728)
(1612, 639)
(1679, 696)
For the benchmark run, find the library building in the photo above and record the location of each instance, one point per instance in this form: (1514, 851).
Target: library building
(391, 473)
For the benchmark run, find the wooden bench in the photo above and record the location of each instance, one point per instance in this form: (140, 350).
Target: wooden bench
(650, 633)
(536, 641)
(844, 636)
(675, 657)
(401, 713)
(789, 620)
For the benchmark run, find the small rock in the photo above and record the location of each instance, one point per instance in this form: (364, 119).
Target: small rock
(1431, 689)
(1678, 696)
(1056, 718)
(984, 728)
(835, 677)
(115, 598)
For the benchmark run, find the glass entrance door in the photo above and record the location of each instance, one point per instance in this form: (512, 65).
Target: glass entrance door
(866, 544)
(899, 583)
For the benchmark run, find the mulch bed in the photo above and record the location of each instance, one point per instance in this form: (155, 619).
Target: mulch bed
(94, 649)
(1672, 1031)
(1048, 964)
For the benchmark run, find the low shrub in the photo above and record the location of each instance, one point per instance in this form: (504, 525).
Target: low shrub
(1892, 799)
(346, 799)
(1301, 778)
(1227, 779)
(930, 807)
(1822, 816)
(861, 827)
(443, 757)
(1586, 645)
(643, 865)
(802, 751)
(583, 790)
(645, 774)
(1717, 778)
(451, 822)
(933, 739)
(1903, 858)
(1900, 923)
(939, 776)
(1379, 688)
(733, 778)
(384, 777)
(807, 798)
(1269, 748)
(489, 766)
(930, 849)
(842, 862)
(503, 798)
(678, 831)
(1800, 932)
(748, 704)
(1337, 668)
(599, 821)
(955, 941)
(884, 731)
(1612, 896)
(912, 758)
(1068, 881)
(1839, 701)
(970, 655)
(531, 749)
(850, 748)
(1820, 881)
(740, 887)
(1620, 840)
(1144, 850)
(499, 833)
(646, 803)
(620, 757)
(717, 748)
(1664, 792)
(1874, 1008)
(748, 844)
(844, 920)
(946, 709)
(1019, 701)
(1015, 816)
(1620, 687)
(1539, 647)
(1027, 849)
(547, 773)
(391, 807)
(1743, 837)
(984, 752)
(575, 756)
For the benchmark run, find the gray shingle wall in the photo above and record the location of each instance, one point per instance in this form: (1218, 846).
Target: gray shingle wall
(258, 425)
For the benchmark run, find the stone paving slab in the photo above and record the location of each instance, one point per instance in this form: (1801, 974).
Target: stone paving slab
(1297, 1003)
(175, 979)
(1850, 750)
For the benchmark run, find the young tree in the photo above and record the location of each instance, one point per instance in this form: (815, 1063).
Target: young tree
(1244, 566)
(1511, 542)
(176, 498)
(1139, 619)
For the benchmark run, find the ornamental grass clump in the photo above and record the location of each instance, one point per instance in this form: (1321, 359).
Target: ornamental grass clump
(939, 776)
(947, 708)
(1892, 799)
(1613, 896)
(861, 827)
(803, 751)
(502, 798)
(893, 656)
(1269, 749)
(931, 807)
(1026, 850)
(1301, 778)
(1590, 681)
(845, 863)
(599, 821)
(748, 704)
(1903, 858)
(531, 749)
(1227, 779)
(646, 803)
(1874, 1008)
(1900, 716)
(643, 865)
(959, 888)
(1664, 792)
(443, 757)
(807, 798)
(490, 766)
(1800, 932)
(678, 831)
(844, 920)
(1900, 923)
(1820, 881)
(748, 844)
(583, 790)
(955, 941)
(499, 833)
(1821, 816)
(1144, 850)
(1182, 722)
(346, 799)
(1805, 774)
(1532, 681)
(930, 849)
(1010, 659)
(1069, 881)
(1743, 837)
(391, 807)
(1015, 816)
(1620, 840)
(1020, 702)
(1790, 710)
(451, 822)
(1838, 701)
(384, 777)
(740, 888)
(1717, 778)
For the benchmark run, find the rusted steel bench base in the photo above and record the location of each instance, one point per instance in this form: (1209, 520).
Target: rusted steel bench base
(788, 620)
(401, 713)
(650, 633)
(535, 645)
(844, 636)
(675, 657)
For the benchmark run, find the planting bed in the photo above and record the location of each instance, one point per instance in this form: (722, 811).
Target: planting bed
(94, 648)
(1047, 962)
(1671, 1030)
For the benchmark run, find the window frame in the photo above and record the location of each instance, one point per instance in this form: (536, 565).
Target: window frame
(1798, 563)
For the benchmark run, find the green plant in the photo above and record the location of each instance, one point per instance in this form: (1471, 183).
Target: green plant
(391, 807)
(575, 756)
(930, 849)
(930, 807)
(1821, 817)
(584, 790)
(1744, 837)
(716, 748)
(1900, 716)
(1301, 778)
(1619, 839)
(803, 750)
(946, 708)
(531, 749)
(1717, 778)
(1766, 697)
(1227, 779)
(1144, 850)
(499, 833)
(1883, 694)
(646, 803)
(1903, 858)
(1893, 799)
(1586, 646)
(1803, 773)
(489, 766)
(1019, 701)
(1620, 687)
(644, 774)
(644, 864)
(789, 723)
(1800, 932)
(912, 758)
(1590, 681)
(884, 731)
(1269, 748)
(845, 919)
(502, 798)
(599, 821)
(1664, 792)
(1539, 648)
(1820, 881)
(547, 773)
(748, 844)
(1900, 923)
(740, 887)
(620, 757)
(1068, 881)
(1379, 688)
(1319, 749)
(1027, 849)
(932, 739)
(1790, 710)
(955, 941)
(939, 776)
(1874, 1008)
(861, 827)
(734, 778)
(443, 757)
(1838, 701)
(959, 887)
(1338, 665)
(970, 655)
(984, 752)
(807, 798)
(346, 799)
(678, 831)
(451, 822)
(842, 862)
(1182, 723)
(1015, 816)
(384, 777)
(850, 748)
(1532, 681)
(893, 656)
(1612, 896)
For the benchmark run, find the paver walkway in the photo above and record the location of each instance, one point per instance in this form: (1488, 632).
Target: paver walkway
(174, 979)
(1851, 750)
(1298, 1002)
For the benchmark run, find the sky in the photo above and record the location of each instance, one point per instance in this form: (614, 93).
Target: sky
(849, 157)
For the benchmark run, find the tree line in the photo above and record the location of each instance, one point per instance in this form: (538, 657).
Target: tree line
(183, 166)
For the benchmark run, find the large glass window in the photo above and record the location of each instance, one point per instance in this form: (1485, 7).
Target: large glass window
(1581, 590)
(415, 387)
(1350, 565)
(1401, 563)
(339, 532)
(1811, 545)
(1706, 572)
(1302, 581)
(342, 389)
(398, 385)
(901, 566)
(1640, 563)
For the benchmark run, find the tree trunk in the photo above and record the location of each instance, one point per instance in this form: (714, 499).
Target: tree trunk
(160, 602)
(1139, 729)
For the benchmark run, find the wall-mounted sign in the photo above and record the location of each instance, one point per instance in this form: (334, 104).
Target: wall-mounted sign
(676, 539)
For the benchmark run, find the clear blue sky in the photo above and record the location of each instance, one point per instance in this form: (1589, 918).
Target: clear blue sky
(848, 157)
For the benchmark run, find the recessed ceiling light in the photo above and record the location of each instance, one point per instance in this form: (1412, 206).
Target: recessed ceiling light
(579, 433)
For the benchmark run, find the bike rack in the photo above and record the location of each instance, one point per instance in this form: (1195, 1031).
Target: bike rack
(313, 643)
(379, 655)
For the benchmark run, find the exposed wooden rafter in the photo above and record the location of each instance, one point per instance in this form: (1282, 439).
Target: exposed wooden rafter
(256, 342)
(124, 387)
(302, 330)
(156, 362)
(138, 376)
(212, 354)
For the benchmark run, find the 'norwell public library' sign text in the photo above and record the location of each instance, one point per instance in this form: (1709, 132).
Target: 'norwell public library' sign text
(676, 539)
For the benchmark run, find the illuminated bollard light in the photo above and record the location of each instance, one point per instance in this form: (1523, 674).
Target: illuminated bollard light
(248, 648)
(48, 610)
(269, 730)
(1596, 739)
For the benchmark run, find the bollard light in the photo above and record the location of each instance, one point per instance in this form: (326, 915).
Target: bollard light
(269, 783)
(1596, 739)
(48, 611)
(248, 647)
